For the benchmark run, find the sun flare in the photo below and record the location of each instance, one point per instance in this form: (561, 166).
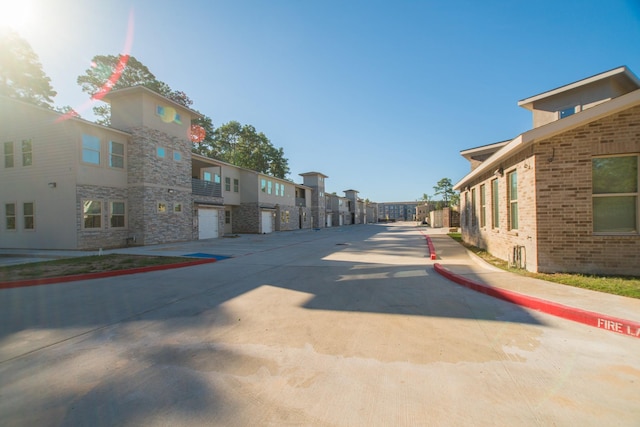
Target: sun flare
(15, 15)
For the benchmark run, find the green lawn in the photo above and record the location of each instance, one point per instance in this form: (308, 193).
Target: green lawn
(628, 286)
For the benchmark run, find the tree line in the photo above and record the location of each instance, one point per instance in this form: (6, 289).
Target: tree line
(22, 77)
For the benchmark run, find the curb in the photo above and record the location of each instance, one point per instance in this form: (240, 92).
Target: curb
(99, 275)
(590, 318)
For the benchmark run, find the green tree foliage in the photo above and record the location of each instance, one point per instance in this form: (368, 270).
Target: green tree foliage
(243, 146)
(134, 73)
(21, 74)
(444, 188)
(234, 143)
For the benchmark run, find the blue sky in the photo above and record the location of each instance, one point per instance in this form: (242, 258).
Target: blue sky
(381, 96)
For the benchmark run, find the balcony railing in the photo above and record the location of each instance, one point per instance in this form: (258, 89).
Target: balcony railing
(206, 188)
(301, 201)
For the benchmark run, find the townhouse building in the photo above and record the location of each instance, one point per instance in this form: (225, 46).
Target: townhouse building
(68, 183)
(564, 195)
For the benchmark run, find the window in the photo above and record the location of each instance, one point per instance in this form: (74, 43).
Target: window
(160, 152)
(162, 207)
(177, 208)
(29, 216)
(8, 154)
(474, 219)
(483, 205)
(27, 152)
(227, 217)
(495, 205)
(92, 214)
(227, 183)
(512, 194)
(467, 209)
(277, 188)
(216, 178)
(282, 190)
(177, 156)
(263, 185)
(269, 185)
(236, 185)
(10, 216)
(206, 176)
(117, 215)
(615, 194)
(566, 112)
(116, 155)
(90, 149)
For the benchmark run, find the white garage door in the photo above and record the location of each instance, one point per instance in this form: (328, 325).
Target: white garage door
(267, 222)
(207, 223)
(329, 221)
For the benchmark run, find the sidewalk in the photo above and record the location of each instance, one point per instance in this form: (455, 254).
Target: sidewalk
(611, 312)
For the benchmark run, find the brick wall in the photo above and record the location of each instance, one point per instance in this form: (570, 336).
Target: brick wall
(565, 214)
(105, 236)
(555, 226)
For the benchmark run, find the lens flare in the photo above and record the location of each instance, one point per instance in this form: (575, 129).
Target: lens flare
(197, 134)
(113, 79)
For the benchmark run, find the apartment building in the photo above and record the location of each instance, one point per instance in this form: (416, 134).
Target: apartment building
(564, 195)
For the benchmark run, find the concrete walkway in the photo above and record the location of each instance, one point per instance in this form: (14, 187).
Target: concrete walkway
(611, 312)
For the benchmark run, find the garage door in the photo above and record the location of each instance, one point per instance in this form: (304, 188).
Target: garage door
(207, 223)
(267, 222)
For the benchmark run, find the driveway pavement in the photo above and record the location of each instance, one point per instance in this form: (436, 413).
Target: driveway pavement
(347, 326)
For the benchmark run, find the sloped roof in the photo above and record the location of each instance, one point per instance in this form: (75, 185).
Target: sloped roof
(524, 140)
(621, 74)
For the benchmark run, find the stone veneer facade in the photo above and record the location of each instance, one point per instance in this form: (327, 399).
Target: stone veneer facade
(153, 180)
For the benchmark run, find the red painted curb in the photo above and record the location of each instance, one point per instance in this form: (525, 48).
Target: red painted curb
(432, 249)
(597, 320)
(87, 276)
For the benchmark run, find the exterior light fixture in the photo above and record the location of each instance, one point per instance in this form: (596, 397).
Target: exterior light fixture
(171, 191)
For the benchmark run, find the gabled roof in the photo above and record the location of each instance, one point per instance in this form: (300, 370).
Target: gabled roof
(524, 140)
(621, 74)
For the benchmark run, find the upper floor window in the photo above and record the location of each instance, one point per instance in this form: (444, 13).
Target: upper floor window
(227, 183)
(91, 149)
(277, 188)
(269, 187)
(513, 200)
(615, 194)
(27, 152)
(263, 185)
(566, 112)
(116, 155)
(206, 176)
(161, 152)
(8, 154)
(236, 185)
(177, 156)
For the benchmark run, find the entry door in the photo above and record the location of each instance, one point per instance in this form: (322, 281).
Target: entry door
(267, 222)
(207, 223)
(329, 221)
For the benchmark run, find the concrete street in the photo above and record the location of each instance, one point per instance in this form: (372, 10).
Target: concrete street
(346, 326)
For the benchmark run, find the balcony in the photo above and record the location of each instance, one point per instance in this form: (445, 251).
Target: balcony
(301, 202)
(200, 187)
